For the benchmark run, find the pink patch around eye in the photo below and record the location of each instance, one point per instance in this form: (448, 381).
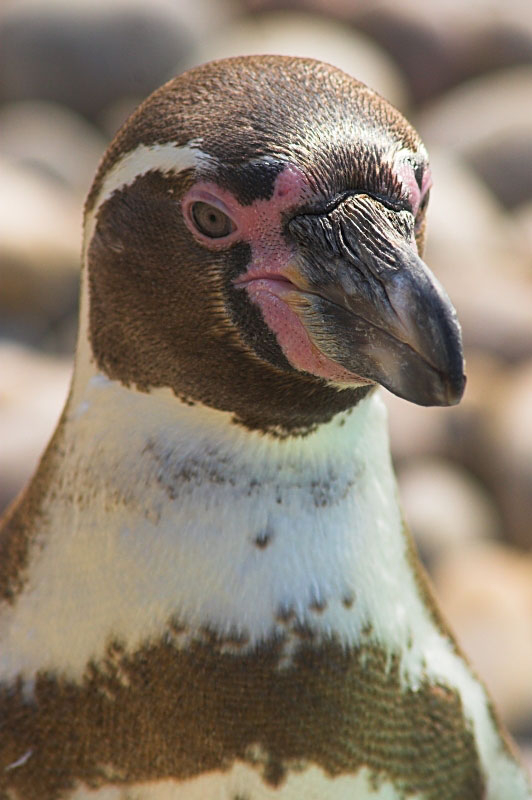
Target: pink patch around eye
(405, 172)
(201, 194)
(267, 278)
(259, 224)
(274, 300)
(426, 183)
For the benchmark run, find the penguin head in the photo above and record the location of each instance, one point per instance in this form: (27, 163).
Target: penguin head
(253, 242)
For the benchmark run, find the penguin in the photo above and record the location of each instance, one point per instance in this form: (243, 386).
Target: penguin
(207, 588)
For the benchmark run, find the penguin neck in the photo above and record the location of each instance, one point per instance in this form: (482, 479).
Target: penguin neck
(171, 534)
(160, 516)
(233, 531)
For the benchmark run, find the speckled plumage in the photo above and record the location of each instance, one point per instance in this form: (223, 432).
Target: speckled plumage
(207, 588)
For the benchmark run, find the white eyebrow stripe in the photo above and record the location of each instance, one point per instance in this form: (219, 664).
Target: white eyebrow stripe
(162, 157)
(166, 158)
(169, 158)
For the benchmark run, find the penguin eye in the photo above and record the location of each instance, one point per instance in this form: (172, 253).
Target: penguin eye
(210, 221)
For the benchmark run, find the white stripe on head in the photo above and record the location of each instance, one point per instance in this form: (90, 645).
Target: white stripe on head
(166, 158)
(245, 780)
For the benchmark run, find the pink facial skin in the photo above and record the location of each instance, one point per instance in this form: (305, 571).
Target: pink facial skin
(277, 299)
(272, 280)
(405, 172)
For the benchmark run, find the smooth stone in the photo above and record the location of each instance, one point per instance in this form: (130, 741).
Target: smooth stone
(489, 123)
(34, 389)
(509, 431)
(500, 162)
(415, 431)
(312, 36)
(477, 252)
(504, 39)
(478, 110)
(489, 434)
(40, 243)
(459, 434)
(85, 55)
(445, 507)
(52, 139)
(428, 51)
(485, 591)
(523, 219)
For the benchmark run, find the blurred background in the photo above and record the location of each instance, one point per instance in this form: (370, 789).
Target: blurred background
(71, 71)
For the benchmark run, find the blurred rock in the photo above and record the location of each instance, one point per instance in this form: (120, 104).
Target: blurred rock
(477, 252)
(33, 389)
(485, 591)
(427, 49)
(466, 438)
(312, 36)
(489, 434)
(523, 218)
(51, 139)
(40, 242)
(495, 315)
(504, 38)
(509, 431)
(458, 433)
(479, 110)
(436, 44)
(89, 54)
(415, 431)
(505, 164)
(526, 755)
(445, 507)
(489, 122)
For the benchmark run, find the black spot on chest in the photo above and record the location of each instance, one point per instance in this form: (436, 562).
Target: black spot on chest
(263, 539)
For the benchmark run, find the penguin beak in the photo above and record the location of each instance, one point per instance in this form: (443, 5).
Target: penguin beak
(369, 303)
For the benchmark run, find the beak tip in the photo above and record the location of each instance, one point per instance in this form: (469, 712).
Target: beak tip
(430, 389)
(455, 390)
(447, 391)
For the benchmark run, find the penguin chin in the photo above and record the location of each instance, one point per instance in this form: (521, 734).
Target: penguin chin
(374, 354)
(330, 342)
(278, 301)
(354, 304)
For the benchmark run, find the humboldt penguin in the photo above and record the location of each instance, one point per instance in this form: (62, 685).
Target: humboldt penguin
(207, 589)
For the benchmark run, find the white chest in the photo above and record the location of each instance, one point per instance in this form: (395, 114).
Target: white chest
(165, 520)
(242, 782)
(158, 515)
